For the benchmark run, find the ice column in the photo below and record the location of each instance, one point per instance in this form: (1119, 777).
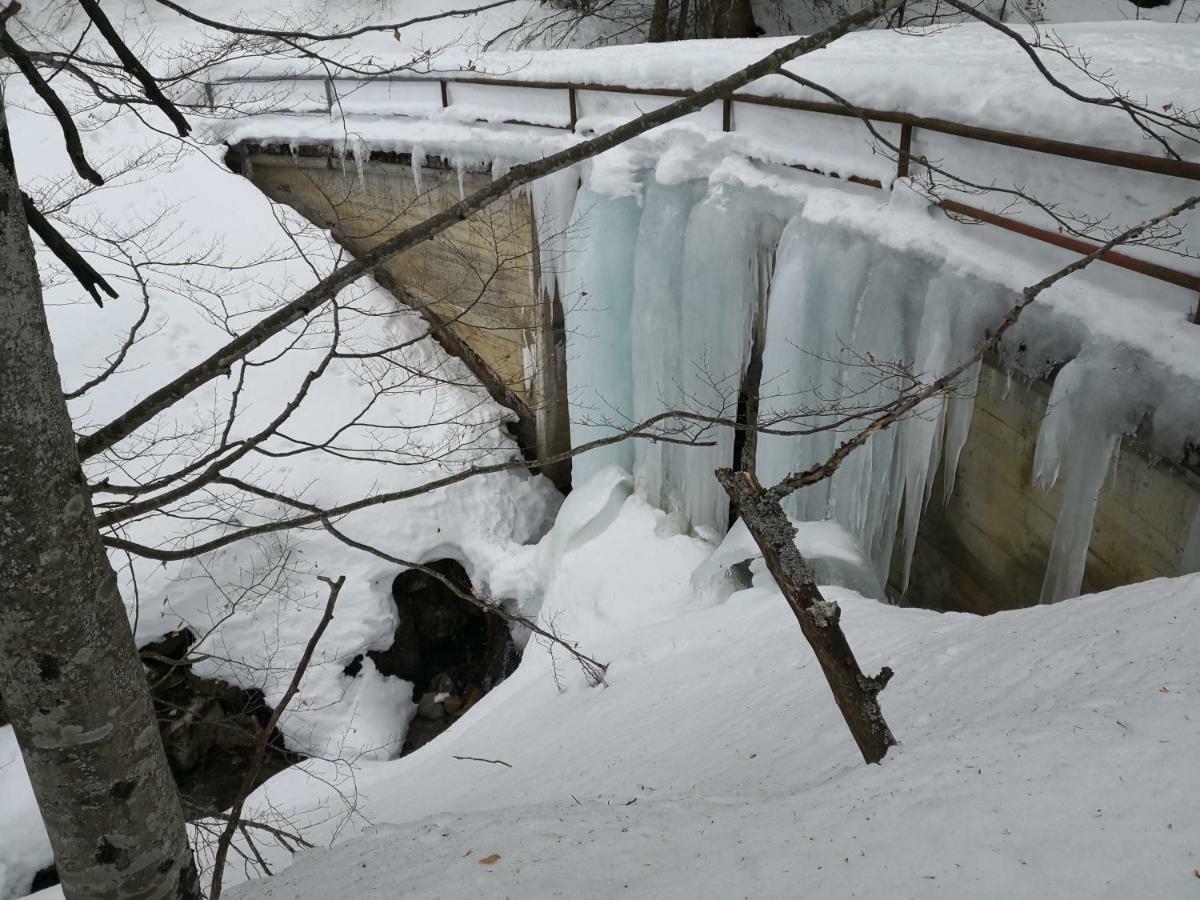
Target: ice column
(656, 328)
(1091, 405)
(820, 273)
(598, 298)
(726, 258)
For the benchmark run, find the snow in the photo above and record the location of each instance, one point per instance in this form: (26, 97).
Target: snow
(1044, 752)
(994, 84)
(209, 271)
(24, 844)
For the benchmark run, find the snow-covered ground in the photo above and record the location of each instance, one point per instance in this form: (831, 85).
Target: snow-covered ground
(1047, 752)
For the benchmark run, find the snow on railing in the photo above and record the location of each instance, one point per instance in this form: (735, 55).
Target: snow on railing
(556, 104)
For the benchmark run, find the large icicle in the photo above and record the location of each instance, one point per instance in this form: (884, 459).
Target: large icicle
(656, 328)
(842, 307)
(1091, 406)
(820, 271)
(598, 300)
(723, 270)
(955, 314)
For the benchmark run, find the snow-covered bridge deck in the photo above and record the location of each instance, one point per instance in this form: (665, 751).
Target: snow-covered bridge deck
(999, 124)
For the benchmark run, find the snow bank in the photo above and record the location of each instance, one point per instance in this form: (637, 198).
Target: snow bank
(1045, 752)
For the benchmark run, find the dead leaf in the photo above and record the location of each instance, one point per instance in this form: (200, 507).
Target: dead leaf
(490, 860)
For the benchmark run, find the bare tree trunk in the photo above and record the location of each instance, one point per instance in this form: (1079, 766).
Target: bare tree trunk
(733, 19)
(73, 685)
(657, 32)
(681, 22)
(857, 695)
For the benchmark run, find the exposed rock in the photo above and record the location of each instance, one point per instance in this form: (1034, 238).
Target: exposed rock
(451, 650)
(209, 728)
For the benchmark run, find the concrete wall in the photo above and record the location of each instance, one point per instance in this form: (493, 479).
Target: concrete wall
(476, 284)
(986, 549)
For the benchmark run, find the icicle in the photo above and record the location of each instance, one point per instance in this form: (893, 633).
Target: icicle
(1190, 561)
(820, 272)
(553, 199)
(866, 491)
(417, 162)
(722, 290)
(959, 411)
(361, 154)
(1078, 438)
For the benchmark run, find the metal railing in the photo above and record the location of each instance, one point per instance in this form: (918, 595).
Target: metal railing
(908, 123)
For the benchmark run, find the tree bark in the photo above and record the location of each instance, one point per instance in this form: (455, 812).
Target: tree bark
(857, 695)
(733, 19)
(657, 33)
(73, 685)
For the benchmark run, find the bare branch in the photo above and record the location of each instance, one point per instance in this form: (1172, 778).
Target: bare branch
(321, 293)
(264, 736)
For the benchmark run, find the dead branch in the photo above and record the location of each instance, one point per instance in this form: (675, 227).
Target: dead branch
(857, 695)
(264, 737)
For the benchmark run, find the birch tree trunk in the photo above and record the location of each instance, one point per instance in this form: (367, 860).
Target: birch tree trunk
(72, 682)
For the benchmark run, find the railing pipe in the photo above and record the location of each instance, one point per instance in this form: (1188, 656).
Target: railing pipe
(1175, 168)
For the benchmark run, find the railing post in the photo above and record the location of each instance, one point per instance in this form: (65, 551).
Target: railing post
(906, 131)
(574, 109)
(445, 92)
(727, 114)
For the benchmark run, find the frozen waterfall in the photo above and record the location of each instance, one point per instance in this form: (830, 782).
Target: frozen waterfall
(669, 294)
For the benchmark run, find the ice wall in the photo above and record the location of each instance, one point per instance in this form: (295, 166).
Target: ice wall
(665, 292)
(843, 311)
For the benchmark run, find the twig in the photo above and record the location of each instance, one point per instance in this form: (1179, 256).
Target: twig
(498, 762)
(87, 277)
(264, 736)
(25, 65)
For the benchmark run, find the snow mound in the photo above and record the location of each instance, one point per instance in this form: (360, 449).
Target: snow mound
(1045, 752)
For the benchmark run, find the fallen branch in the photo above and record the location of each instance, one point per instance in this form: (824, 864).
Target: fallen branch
(857, 695)
(498, 762)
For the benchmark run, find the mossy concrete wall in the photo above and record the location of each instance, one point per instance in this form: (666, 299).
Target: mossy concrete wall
(986, 549)
(476, 284)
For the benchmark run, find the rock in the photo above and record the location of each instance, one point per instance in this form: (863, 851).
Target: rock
(430, 708)
(210, 729)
